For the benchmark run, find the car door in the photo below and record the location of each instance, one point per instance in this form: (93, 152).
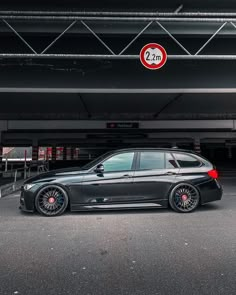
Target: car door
(156, 172)
(114, 185)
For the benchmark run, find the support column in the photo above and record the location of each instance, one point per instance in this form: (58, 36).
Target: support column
(35, 152)
(76, 153)
(1, 156)
(68, 153)
(197, 145)
(72, 153)
(54, 153)
(230, 152)
(64, 153)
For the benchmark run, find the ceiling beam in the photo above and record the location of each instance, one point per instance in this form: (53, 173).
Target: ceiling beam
(115, 90)
(166, 105)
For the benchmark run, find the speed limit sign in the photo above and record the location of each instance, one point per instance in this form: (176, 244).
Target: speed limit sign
(153, 56)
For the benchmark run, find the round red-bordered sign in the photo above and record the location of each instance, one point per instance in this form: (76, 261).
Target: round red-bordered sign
(153, 56)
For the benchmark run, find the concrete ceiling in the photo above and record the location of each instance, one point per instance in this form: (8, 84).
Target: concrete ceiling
(117, 106)
(117, 4)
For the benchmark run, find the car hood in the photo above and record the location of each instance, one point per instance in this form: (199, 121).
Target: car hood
(56, 174)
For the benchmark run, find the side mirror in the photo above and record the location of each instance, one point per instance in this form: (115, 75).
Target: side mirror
(99, 168)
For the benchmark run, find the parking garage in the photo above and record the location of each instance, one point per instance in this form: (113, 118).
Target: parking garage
(72, 87)
(72, 84)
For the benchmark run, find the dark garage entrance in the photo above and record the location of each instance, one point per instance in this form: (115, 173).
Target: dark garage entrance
(67, 76)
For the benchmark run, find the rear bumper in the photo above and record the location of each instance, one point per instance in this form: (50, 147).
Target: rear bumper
(210, 191)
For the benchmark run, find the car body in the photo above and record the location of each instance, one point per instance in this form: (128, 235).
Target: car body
(126, 179)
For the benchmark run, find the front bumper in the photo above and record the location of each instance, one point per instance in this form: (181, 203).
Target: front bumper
(26, 201)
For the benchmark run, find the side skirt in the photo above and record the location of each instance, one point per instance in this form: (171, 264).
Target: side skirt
(95, 207)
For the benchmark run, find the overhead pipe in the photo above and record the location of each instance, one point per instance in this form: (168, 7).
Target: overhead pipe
(119, 13)
(112, 57)
(114, 18)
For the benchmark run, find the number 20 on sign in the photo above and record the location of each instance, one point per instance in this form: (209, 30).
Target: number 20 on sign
(153, 56)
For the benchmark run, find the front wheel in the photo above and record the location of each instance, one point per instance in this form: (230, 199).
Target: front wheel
(184, 198)
(51, 200)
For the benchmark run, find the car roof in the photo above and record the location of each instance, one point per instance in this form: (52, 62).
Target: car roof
(157, 149)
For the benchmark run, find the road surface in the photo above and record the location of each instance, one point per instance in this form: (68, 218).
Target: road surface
(130, 252)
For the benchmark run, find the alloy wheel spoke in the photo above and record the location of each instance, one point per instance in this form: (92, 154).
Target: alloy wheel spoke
(50, 207)
(186, 198)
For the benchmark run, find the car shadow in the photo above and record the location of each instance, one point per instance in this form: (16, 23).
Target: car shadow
(202, 208)
(120, 212)
(209, 207)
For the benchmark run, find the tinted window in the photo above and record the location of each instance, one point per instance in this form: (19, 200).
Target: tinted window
(170, 162)
(186, 161)
(120, 162)
(152, 160)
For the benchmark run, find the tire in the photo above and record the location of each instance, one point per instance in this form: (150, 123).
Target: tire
(51, 200)
(184, 198)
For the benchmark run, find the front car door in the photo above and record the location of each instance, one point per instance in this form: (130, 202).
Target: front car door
(114, 185)
(156, 172)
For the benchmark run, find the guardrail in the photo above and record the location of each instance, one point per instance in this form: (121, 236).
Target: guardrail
(18, 179)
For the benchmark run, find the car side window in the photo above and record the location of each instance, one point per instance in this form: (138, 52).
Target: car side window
(120, 162)
(186, 161)
(170, 162)
(152, 160)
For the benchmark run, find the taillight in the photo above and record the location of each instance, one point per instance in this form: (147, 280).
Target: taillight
(213, 174)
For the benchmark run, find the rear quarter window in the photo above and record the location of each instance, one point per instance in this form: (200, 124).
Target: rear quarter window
(187, 161)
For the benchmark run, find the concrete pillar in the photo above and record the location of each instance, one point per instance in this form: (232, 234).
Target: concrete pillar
(230, 152)
(72, 153)
(197, 145)
(76, 153)
(67, 153)
(64, 153)
(54, 153)
(1, 155)
(35, 152)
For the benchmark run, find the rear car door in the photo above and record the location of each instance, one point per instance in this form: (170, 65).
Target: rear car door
(191, 168)
(156, 172)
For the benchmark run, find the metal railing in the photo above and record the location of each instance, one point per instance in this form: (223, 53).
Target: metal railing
(160, 19)
(16, 174)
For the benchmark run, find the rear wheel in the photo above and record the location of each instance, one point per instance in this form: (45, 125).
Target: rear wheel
(184, 198)
(51, 200)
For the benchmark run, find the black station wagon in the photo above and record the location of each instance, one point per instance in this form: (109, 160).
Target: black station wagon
(126, 179)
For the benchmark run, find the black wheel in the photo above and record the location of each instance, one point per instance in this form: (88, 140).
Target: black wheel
(184, 198)
(51, 200)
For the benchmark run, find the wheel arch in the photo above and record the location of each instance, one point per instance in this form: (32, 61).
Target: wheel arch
(64, 187)
(174, 185)
(171, 202)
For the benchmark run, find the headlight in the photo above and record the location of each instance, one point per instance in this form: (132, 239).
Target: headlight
(28, 186)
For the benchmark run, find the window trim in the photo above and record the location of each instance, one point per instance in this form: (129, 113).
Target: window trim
(177, 164)
(133, 166)
(190, 155)
(151, 151)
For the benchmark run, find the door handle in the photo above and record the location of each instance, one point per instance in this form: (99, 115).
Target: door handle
(127, 176)
(170, 173)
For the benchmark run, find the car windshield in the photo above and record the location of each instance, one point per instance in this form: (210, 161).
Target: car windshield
(95, 161)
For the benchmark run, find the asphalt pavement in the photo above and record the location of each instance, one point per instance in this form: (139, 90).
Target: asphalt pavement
(129, 252)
